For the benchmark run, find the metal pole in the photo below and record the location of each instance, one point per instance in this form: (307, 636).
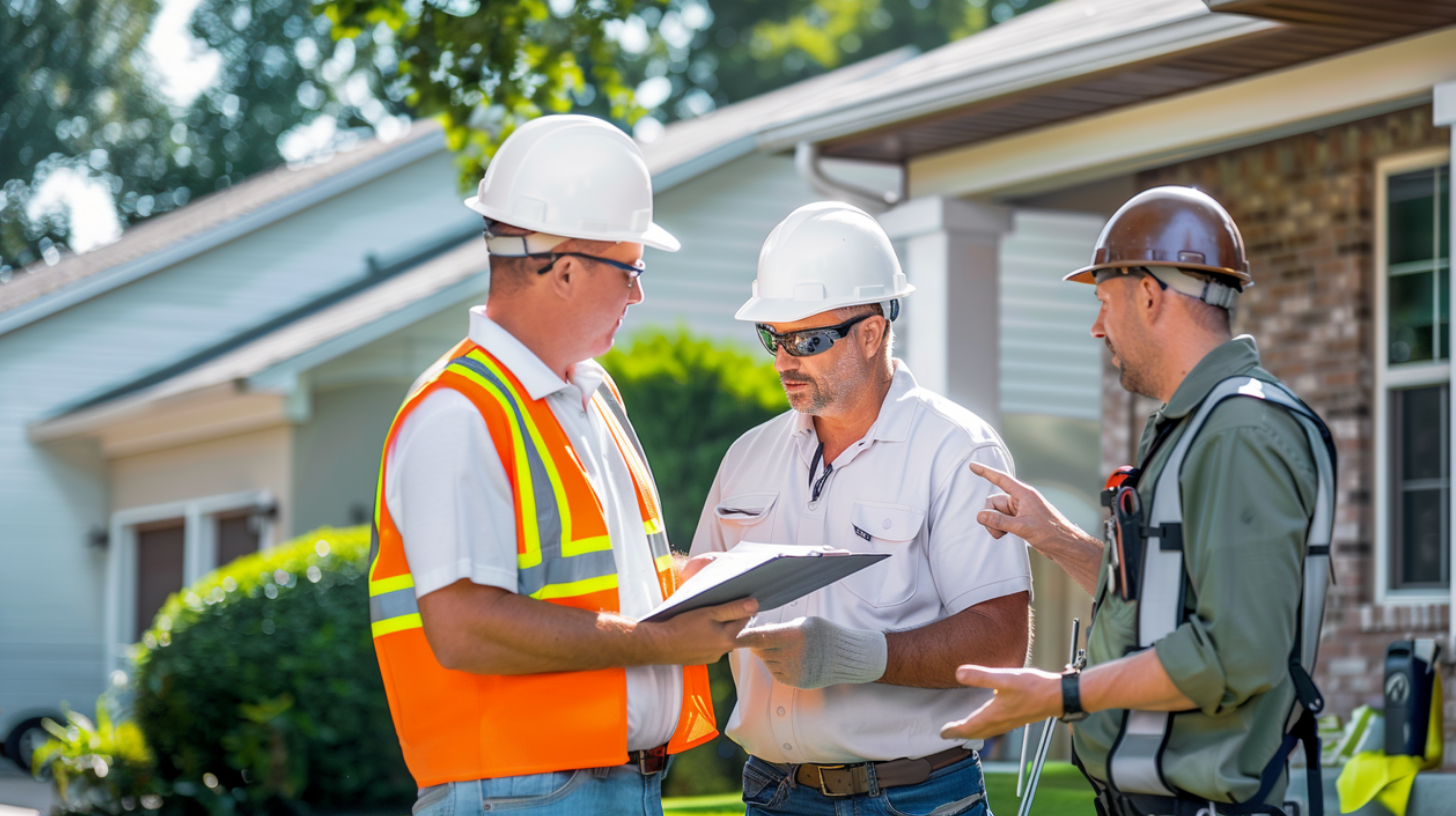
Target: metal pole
(1046, 735)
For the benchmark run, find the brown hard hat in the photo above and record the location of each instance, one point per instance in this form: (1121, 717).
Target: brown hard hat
(1170, 226)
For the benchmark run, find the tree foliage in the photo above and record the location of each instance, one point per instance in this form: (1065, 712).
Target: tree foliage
(78, 94)
(72, 95)
(486, 66)
(704, 54)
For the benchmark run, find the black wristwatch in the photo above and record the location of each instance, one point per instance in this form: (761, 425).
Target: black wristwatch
(1072, 696)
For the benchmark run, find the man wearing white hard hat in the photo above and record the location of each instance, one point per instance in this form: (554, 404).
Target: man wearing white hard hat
(518, 532)
(838, 693)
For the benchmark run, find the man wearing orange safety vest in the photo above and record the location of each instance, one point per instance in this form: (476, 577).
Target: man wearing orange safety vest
(519, 534)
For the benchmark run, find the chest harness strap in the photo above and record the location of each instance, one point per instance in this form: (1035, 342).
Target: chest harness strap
(1135, 764)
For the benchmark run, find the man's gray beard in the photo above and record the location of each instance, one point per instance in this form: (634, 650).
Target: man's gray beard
(816, 398)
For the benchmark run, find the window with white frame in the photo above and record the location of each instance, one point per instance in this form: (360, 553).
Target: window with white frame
(162, 548)
(1413, 373)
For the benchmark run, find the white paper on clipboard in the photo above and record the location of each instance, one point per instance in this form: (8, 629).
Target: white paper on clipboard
(773, 574)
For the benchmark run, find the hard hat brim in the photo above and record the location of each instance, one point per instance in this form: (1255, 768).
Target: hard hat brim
(1088, 274)
(654, 236)
(780, 310)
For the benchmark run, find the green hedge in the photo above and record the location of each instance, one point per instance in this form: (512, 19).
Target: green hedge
(260, 682)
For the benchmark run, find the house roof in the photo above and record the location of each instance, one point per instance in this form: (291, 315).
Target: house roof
(690, 147)
(1078, 57)
(271, 359)
(154, 244)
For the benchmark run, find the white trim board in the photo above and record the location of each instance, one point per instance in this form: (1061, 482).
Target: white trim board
(1385, 379)
(199, 556)
(1250, 111)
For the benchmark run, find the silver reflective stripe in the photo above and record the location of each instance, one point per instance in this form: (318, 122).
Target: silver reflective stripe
(394, 604)
(548, 515)
(554, 568)
(1135, 765)
(558, 570)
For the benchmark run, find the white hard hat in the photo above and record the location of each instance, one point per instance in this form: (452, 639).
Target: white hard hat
(574, 176)
(824, 256)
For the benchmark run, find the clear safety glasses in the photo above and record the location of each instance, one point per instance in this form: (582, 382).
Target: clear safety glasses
(633, 270)
(807, 342)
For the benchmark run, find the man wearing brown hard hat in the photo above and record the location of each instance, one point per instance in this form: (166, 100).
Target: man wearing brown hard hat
(1209, 579)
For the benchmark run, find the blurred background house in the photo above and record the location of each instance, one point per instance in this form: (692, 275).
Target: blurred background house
(221, 377)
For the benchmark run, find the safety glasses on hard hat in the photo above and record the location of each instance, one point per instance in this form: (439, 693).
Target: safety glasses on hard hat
(807, 342)
(634, 270)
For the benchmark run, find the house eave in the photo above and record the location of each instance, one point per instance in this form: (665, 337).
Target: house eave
(1021, 75)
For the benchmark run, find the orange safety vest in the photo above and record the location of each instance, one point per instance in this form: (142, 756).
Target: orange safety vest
(456, 726)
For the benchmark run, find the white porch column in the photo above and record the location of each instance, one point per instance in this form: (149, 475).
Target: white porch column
(949, 330)
(1445, 116)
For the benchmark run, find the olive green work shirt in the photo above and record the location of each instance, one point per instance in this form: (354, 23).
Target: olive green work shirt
(1249, 484)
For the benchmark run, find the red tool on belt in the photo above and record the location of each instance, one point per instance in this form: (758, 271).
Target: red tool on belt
(1123, 531)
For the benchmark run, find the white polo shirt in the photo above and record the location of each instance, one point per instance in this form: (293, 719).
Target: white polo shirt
(448, 494)
(904, 489)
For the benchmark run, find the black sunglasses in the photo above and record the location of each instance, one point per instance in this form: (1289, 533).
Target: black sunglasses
(633, 270)
(807, 342)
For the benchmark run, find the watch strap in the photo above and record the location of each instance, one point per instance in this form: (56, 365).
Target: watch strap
(1072, 697)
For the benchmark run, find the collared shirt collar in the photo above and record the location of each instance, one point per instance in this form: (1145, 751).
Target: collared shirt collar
(1231, 359)
(893, 422)
(540, 381)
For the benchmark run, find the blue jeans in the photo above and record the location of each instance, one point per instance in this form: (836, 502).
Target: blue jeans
(956, 789)
(617, 790)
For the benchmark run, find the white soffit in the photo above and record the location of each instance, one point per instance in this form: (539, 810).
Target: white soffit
(1151, 134)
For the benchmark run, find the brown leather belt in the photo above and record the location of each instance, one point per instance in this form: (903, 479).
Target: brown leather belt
(650, 761)
(854, 779)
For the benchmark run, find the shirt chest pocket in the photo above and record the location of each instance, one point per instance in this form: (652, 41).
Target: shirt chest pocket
(745, 515)
(876, 527)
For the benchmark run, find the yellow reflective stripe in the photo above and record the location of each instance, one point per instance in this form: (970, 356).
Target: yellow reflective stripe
(664, 562)
(398, 624)
(568, 547)
(653, 526)
(586, 586)
(586, 545)
(524, 485)
(379, 490)
(391, 584)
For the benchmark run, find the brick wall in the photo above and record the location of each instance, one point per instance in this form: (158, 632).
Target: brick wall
(1305, 205)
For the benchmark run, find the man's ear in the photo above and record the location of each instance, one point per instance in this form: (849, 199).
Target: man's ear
(1151, 299)
(565, 276)
(873, 332)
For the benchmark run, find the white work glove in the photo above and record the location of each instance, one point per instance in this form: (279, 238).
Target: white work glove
(811, 653)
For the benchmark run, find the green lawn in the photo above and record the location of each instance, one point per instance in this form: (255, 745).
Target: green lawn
(1062, 792)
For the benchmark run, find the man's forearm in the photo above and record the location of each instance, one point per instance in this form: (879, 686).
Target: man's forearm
(1078, 554)
(1138, 682)
(993, 633)
(486, 630)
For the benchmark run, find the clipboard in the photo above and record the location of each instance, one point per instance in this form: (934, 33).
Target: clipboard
(773, 575)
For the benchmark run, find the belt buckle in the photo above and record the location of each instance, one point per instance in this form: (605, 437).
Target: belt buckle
(824, 786)
(654, 756)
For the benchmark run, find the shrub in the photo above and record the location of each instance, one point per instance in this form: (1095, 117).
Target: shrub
(260, 683)
(103, 767)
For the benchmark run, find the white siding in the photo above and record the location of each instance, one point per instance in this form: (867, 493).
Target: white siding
(722, 219)
(1049, 363)
(50, 497)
